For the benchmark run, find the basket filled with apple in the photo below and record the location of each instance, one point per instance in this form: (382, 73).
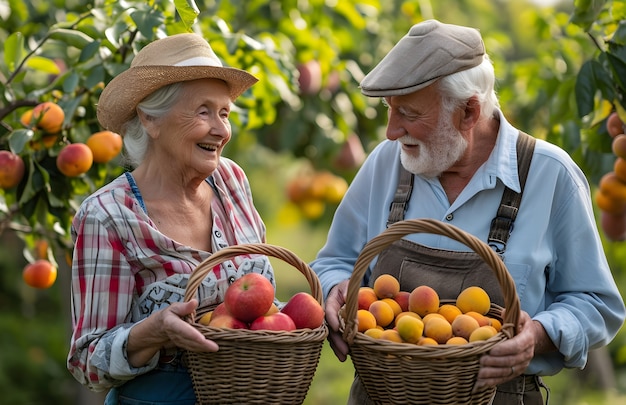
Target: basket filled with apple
(415, 347)
(268, 353)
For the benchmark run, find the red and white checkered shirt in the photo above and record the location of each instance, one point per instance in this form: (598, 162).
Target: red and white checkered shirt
(124, 269)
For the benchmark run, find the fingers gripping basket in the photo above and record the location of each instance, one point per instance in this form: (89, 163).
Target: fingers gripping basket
(252, 366)
(402, 373)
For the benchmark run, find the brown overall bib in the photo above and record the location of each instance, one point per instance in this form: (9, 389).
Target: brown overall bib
(449, 272)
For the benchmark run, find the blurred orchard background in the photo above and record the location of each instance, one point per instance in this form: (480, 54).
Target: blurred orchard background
(301, 134)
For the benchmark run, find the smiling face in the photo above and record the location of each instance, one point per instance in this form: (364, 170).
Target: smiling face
(191, 136)
(431, 144)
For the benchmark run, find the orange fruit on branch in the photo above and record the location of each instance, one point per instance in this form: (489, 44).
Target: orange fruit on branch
(48, 116)
(40, 274)
(74, 159)
(614, 126)
(619, 146)
(105, 145)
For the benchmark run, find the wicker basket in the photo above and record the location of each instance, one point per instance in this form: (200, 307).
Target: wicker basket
(252, 366)
(402, 373)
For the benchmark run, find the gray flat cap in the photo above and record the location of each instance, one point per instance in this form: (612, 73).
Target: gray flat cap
(429, 51)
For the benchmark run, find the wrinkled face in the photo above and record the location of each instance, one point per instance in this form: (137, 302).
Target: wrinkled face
(431, 143)
(194, 132)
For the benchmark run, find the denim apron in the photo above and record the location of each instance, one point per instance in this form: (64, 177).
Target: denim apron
(168, 384)
(449, 272)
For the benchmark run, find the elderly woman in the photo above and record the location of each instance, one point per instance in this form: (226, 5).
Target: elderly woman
(138, 238)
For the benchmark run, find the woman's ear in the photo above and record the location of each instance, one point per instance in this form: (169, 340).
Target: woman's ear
(149, 123)
(471, 114)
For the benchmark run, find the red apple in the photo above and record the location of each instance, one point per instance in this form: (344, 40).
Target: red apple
(220, 309)
(402, 298)
(351, 155)
(249, 297)
(613, 225)
(305, 311)
(310, 77)
(227, 321)
(11, 169)
(275, 321)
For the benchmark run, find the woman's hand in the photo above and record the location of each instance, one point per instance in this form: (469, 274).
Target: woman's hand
(166, 329)
(333, 303)
(509, 358)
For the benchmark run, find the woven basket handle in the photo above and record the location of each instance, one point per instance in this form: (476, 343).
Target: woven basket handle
(400, 229)
(246, 249)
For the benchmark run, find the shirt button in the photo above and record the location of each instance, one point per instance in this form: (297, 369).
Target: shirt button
(449, 217)
(231, 279)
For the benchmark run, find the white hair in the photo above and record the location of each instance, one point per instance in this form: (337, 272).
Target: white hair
(478, 81)
(155, 105)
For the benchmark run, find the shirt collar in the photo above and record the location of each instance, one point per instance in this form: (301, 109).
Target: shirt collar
(502, 162)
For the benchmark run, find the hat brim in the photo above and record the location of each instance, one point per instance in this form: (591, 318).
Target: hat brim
(119, 99)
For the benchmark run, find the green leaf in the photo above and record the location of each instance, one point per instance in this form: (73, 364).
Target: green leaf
(146, 21)
(75, 38)
(43, 64)
(586, 12)
(618, 66)
(188, 11)
(13, 49)
(585, 89)
(619, 37)
(71, 82)
(89, 51)
(19, 138)
(34, 184)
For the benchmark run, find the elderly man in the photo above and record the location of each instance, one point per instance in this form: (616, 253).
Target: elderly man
(451, 155)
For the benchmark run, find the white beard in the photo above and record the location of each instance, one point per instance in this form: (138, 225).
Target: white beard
(445, 149)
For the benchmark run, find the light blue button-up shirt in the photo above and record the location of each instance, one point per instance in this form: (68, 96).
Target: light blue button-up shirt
(554, 253)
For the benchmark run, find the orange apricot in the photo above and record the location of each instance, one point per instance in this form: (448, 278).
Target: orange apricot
(619, 167)
(608, 204)
(105, 145)
(619, 146)
(463, 326)
(410, 329)
(386, 286)
(457, 340)
(613, 187)
(614, 125)
(382, 312)
(394, 306)
(473, 298)
(423, 300)
(392, 335)
(449, 311)
(438, 329)
(480, 318)
(365, 297)
(483, 333)
(365, 320)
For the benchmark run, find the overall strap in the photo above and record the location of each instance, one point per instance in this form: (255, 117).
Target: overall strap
(502, 224)
(402, 196)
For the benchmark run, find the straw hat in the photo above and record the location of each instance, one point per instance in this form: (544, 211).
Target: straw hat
(173, 59)
(429, 51)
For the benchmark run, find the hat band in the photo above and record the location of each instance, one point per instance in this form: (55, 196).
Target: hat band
(199, 61)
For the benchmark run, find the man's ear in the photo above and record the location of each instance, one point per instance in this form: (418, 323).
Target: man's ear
(471, 114)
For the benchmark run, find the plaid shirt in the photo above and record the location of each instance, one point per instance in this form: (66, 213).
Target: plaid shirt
(124, 269)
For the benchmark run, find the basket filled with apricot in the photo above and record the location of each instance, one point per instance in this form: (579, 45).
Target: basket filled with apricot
(415, 347)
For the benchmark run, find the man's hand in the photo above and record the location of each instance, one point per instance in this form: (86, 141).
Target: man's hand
(509, 358)
(335, 300)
